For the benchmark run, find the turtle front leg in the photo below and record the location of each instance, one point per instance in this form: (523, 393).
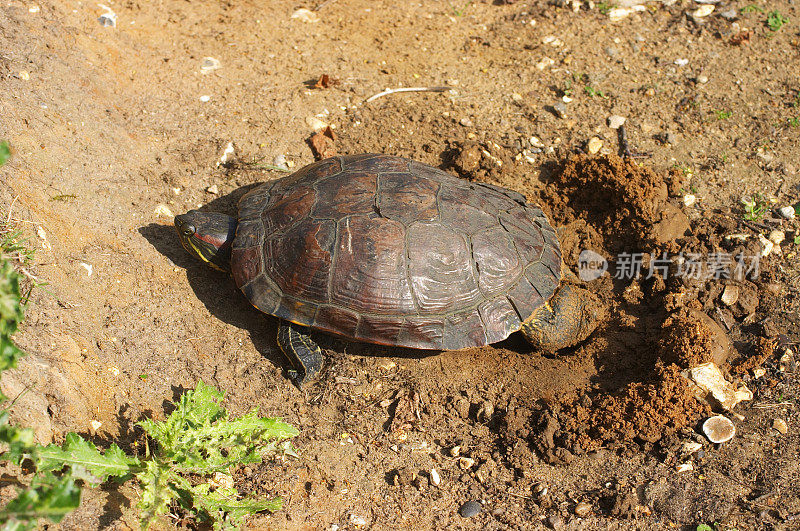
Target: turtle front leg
(565, 320)
(303, 353)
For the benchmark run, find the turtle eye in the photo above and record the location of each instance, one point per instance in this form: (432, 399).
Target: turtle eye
(188, 230)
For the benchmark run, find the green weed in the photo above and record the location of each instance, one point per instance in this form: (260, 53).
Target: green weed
(723, 115)
(592, 92)
(775, 20)
(604, 7)
(186, 453)
(752, 8)
(5, 152)
(755, 207)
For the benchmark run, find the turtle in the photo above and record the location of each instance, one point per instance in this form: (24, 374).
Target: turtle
(387, 250)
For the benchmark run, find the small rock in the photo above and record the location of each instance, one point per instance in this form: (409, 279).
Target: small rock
(619, 13)
(719, 429)
(536, 142)
(787, 362)
(358, 521)
(766, 246)
(466, 463)
(702, 80)
(455, 451)
(485, 412)
(516, 97)
(209, 63)
(787, 212)
(280, 162)
(730, 295)
(24, 75)
(555, 521)
(593, 145)
(96, 425)
(305, 15)
(470, 509)
(435, 477)
(163, 211)
(681, 61)
(544, 63)
(226, 153)
(108, 19)
(777, 237)
(758, 372)
(462, 404)
(583, 509)
(466, 122)
(684, 467)
(710, 379)
(615, 121)
(781, 426)
(689, 200)
(205, 98)
(316, 124)
(213, 189)
(729, 14)
(560, 109)
(690, 447)
(703, 11)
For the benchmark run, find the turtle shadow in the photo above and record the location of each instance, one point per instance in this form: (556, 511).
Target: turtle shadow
(218, 293)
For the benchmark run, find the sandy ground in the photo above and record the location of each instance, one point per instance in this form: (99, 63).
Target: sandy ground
(115, 127)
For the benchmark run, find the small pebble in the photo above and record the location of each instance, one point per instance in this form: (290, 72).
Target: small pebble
(24, 75)
(681, 61)
(205, 98)
(777, 237)
(787, 212)
(690, 447)
(703, 11)
(689, 200)
(730, 295)
(615, 121)
(702, 80)
(781, 426)
(685, 467)
(485, 412)
(555, 521)
(759, 372)
(108, 19)
(305, 15)
(561, 109)
(213, 189)
(209, 63)
(435, 478)
(358, 521)
(455, 451)
(466, 463)
(280, 161)
(466, 122)
(470, 509)
(766, 246)
(618, 13)
(536, 142)
(544, 63)
(719, 429)
(163, 211)
(593, 145)
(583, 509)
(729, 14)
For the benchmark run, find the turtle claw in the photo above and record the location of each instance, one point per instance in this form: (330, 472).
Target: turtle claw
(303, 353)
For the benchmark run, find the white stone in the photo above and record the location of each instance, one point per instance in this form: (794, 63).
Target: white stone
(685, 467)
(703, 11)
(163, 211)
(766, 245)
(435, 478)
(719, 429)
(690, 447)
(209, 63)
(305, 15)
(730, 295)
(593, 145)
(710, 379)
(544, 63)
(615, 121)
(777, 237)
(781, 426)
(213, 189)
(689, 200)
(787, 212)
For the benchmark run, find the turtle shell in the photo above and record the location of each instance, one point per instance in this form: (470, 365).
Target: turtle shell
(391, 251)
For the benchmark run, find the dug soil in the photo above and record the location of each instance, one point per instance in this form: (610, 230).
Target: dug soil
(179, 105)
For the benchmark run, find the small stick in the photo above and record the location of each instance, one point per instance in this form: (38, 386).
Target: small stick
(625, 149)
(408, 89)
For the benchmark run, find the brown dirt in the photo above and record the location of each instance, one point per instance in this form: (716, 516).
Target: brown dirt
(107, 124)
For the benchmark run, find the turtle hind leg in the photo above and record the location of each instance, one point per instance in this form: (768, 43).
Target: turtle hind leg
(568, 318)
(303, 353)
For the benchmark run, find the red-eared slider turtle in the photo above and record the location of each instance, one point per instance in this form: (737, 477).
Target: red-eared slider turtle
(386, 250)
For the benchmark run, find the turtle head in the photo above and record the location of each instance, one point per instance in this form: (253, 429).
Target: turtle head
(207, 236)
